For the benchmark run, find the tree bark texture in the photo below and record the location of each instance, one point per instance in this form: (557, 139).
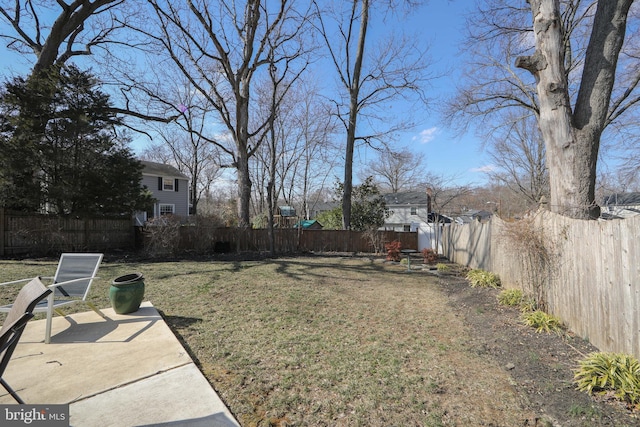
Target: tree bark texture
(354, 93)
(572, 137)
(242, 90)
(244, 177)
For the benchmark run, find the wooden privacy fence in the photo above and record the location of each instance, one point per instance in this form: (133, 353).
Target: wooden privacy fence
(586, 272)
(35, 234)
(288, 240)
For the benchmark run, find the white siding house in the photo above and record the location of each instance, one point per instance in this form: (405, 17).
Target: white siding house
(170, 189)
(411, 211)
(621, 205)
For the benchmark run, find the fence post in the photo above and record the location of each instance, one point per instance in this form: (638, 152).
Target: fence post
(85, 235)
(2, 227)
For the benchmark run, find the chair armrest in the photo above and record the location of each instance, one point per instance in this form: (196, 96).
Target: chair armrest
(16, 281)
(55, 285)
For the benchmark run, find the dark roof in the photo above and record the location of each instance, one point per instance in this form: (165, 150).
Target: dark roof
(324, 206)
(606, 215)
(622, 199)
(436, 217)
(413, 198)
(481, 214)
(161, 169)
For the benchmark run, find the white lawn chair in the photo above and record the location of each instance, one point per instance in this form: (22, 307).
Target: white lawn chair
(71, 284)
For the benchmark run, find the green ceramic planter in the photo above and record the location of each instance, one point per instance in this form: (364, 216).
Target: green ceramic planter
(126, 293)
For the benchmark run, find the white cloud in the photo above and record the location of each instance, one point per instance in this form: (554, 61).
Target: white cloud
(484, 169)
(427, 135)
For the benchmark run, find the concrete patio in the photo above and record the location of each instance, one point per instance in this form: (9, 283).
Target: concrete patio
(129, 370)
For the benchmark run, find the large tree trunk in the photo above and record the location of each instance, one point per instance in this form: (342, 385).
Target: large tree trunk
(572, 138)
(244, 190)
(242, 146)
(354, 92)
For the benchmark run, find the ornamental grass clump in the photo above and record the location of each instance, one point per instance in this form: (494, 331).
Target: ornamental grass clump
(511, 297)
(483, 279)
(610, 373)
(528, 304)
(442, 267)
(542, 322)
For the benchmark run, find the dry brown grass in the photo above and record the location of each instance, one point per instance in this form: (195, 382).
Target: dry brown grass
(322, 341)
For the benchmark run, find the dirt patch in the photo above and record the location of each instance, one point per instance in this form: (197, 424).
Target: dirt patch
(540, 364)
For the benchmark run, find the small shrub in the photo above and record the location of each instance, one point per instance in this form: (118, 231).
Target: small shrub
(528, 304)
(602, 373)
(442, 267)
(429, 256)
(483, 279)
(510, 297)
(162, 236)
(579, 411)
(541, 321)
(393, 250)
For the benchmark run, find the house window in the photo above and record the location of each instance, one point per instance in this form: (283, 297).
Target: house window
(414, 211)
(167, 184)
(166, 209)
(406, 228)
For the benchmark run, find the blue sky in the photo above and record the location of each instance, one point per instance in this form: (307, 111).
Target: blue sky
(441, 24)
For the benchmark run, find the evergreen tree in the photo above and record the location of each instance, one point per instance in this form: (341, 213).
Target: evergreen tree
(368, 208)
(77, 166)
(24, 109)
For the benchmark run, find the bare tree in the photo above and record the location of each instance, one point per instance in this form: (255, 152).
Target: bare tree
(394, 69)
(446, 193)
(54, 35)
(56, 32)
(318, 156)
(497, 34)
(221, 48)
(180, 143)
(78, 27)
(296, 142)
(397, 170)
(304, 151)
(574, 65)
(572, 133)
(518, 157)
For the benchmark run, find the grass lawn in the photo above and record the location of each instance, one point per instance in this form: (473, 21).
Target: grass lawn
(322, 341)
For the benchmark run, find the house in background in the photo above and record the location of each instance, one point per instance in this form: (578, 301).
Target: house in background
(411, 211)
(317, 208)
(620, 205)
(170, 189)
(473, 215)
